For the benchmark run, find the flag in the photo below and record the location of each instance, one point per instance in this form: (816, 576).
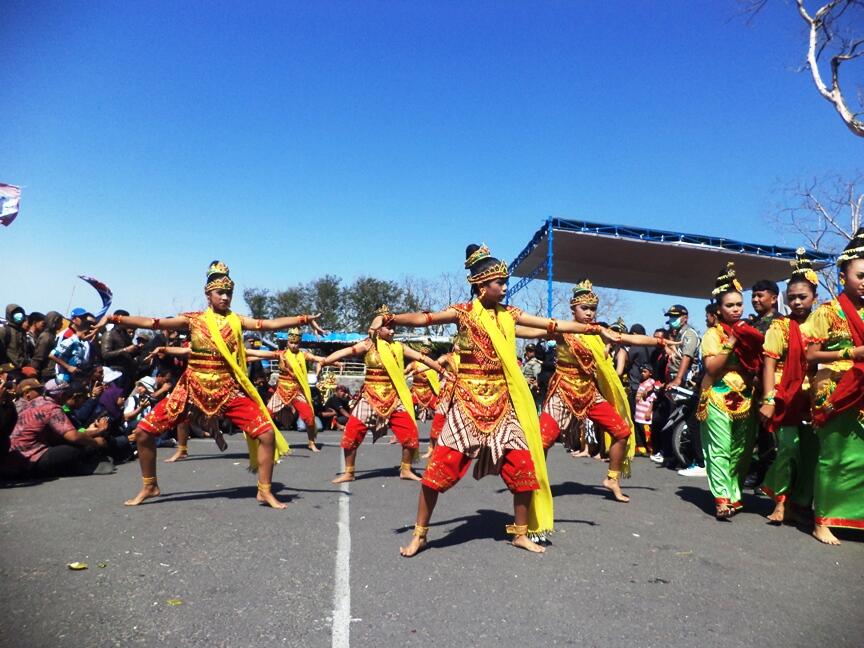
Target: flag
(9, 196)
(104, 292)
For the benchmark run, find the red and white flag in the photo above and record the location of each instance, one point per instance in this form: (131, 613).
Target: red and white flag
(9, 197)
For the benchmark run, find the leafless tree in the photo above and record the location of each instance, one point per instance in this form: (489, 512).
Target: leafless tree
(835, 37)
(826, 212)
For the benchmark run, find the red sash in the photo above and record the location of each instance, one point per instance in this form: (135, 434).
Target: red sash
(849, 393)
(748, 348)
(790, 403)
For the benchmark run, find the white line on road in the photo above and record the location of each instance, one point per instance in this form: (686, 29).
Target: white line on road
(342, 587)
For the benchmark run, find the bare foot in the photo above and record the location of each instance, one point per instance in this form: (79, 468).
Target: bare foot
(393, 441)
(426, 454)
(724, 512)
(414, 547)
(313, 447)
(147, 491)
(581, 453)
(266, 497)
(344, 477)
(408, 474)
(179, 455)
(823, 534)
(778, 513)
(524, 542)
(615, 488)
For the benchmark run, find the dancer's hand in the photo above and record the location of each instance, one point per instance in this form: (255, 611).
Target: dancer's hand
(609, 335)
(766, 412)
(313, 322)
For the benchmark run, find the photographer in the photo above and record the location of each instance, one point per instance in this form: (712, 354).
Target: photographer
(139, 402)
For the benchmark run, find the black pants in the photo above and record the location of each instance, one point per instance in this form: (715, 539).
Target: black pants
(67, 461)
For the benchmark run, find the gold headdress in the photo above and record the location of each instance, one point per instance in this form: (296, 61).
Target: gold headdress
(802, 268)
(726, 281)
(583, 294)
(483, 272)
(294, 335)
(217, 277)
(619, 326)
(855, 248)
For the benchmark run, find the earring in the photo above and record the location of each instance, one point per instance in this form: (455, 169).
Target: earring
(482, 293)
(842, 281)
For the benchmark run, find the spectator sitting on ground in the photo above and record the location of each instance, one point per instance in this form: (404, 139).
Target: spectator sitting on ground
(337, 409)
(46, 439)
(45, 343)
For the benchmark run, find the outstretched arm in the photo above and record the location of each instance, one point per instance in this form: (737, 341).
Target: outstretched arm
(530, 333)
(447, 316)
(179, 323)
(168, 350)
(426, 360)
(646, 340)
(282, 323)
(552, 326)
(347, 352)
(265, 355)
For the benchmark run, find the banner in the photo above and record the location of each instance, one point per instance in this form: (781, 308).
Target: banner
(104, 292)
(9, 197)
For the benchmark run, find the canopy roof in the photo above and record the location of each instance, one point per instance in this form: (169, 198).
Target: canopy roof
(647, 260)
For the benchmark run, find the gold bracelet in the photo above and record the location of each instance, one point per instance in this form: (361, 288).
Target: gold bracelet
(405, 465)
(264, 488)
(420, 531)
(149, 481)
(845, 354)
(552, 326)
(613, 474)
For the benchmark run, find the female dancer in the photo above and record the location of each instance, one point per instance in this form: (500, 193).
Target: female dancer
(835, 332)
(425, 387)
(587, 385)
(292, 389)
(384, 398)
(450, 362)
(785, 407)
(492, 416)
(732, 356)
(214, 384)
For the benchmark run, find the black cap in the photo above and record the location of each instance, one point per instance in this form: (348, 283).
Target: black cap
(675, 310)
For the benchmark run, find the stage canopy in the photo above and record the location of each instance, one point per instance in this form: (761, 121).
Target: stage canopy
(645, 260)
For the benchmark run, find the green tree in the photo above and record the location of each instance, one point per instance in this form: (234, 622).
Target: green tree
(291, 301)
(364, 297)
(325, 296)
(258, 301)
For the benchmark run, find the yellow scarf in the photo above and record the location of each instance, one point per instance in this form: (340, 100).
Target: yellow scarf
(297, 362)
(238, 368)
(394, 362)
(434, 383)
(541, 516)
(613, 391)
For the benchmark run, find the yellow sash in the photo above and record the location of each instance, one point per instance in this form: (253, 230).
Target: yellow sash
(613, 391)
(394, 362)
(541, 516)
(434, 382)
(238, 368)
(297, 362)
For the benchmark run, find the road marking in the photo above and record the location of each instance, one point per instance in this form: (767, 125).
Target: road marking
(342, 585)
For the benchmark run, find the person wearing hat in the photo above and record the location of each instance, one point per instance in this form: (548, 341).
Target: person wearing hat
(292, 387)
(215, 383)
(764, 296)
(71, 351)
(492, 417)
(587, 385)
(785, 410)
(385, 399)
(732, 357)
(835, 335)
(138, 403)
(46, 439)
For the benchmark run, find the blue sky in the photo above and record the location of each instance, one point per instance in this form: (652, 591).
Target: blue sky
(297, 139)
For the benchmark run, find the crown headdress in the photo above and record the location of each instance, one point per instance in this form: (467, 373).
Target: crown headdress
(802, 268)
(855, 248)
(496, 270)
(619, 326)
(583, 294)
(218, 277)
(726, 281)
(294, 334)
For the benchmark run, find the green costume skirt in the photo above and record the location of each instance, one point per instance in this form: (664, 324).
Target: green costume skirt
(791, 475)
(838, 496)
(727, 444)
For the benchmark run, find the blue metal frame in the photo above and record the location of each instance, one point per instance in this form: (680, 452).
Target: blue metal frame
(650, 235)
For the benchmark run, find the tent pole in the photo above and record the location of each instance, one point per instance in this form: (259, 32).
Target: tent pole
(549, 254)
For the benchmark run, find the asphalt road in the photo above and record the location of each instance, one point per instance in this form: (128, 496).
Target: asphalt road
(205, 566)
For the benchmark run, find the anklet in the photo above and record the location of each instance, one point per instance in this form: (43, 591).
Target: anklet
(182, 448)
(613, 474)
(517, 529)
(405, 466)
(263, 488)
(420, 531)
(149, 481)
(349, 470)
